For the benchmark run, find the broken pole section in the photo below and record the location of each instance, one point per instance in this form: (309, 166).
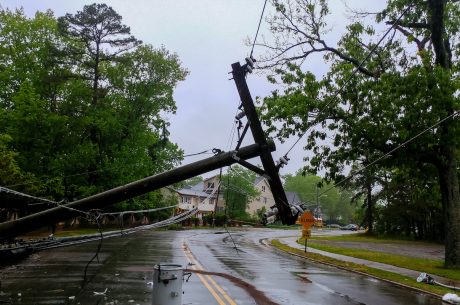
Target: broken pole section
(131, 190)
(239, 75)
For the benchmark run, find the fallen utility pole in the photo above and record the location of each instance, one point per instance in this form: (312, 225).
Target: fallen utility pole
(285, 213)
(48, 217)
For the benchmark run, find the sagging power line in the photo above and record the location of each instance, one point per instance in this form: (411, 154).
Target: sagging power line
(451, 116)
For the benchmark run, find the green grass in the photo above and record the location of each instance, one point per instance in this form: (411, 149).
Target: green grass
(381, 274)
(363, 237)
(419, 264)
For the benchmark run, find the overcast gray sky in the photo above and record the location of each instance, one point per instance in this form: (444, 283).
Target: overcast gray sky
(208, 36)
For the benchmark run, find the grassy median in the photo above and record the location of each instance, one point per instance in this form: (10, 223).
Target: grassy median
(362, 237)
(434, 267)
(381, 274)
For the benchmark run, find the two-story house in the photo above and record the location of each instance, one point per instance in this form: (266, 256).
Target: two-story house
(204, 195)
(265, 198)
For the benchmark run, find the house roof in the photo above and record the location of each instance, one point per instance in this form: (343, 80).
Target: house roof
(192, 192)
(258, 179)
(293, 198)
(196, 187)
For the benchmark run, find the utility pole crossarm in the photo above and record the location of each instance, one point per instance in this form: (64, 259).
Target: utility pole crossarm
(239, 73)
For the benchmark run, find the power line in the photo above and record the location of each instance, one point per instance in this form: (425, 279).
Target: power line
(336, 94)
(232, 134)
(196, 154)
(258, 27)
(141, 211)
(24, 195)
(16, 193)
(392, 151)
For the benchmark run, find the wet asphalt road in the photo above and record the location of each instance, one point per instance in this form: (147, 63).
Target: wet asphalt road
(125, 269)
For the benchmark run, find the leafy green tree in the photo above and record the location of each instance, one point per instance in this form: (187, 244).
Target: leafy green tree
(364, 182)
(98, 27)
(30, 51)
(11, 173)
(410, 205)
(131, 86)
(100, 39)
(334, 205)
(82, 110)
(408, 84)
(238, 190)
(32, 78)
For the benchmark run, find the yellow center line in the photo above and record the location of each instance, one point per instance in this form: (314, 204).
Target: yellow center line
(198, 266)
(212, 291)
(222, 291)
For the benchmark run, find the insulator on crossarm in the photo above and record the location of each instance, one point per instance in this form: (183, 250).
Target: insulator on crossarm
(282, 161)
(240, 115)
(250, 61)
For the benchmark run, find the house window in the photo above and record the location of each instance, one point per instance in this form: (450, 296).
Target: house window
(263, 188)
(265, 199)
(186, 199)
(210, 185)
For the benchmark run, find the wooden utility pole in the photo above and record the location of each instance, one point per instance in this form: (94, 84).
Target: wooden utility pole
(271, 171)
(48, 217)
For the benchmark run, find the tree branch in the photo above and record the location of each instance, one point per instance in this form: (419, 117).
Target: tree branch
(420, 45)
(353, 61)
(412, 25)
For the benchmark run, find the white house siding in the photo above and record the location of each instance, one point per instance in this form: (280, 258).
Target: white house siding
(265, 199)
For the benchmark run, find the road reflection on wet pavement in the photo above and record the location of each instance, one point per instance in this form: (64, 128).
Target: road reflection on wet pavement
(125, 268)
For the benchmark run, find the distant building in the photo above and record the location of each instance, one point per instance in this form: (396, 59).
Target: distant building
(204, 195)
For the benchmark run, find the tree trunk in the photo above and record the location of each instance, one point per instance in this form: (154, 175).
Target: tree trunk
(370, 208)
(96, 74)
(450, 196)
(448, 178)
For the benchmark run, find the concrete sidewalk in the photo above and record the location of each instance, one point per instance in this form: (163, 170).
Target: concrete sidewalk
(291, 242)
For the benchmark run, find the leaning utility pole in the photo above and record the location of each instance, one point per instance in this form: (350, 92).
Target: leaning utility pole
(270, 169)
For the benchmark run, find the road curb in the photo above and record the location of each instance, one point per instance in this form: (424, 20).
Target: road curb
(357, 272)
